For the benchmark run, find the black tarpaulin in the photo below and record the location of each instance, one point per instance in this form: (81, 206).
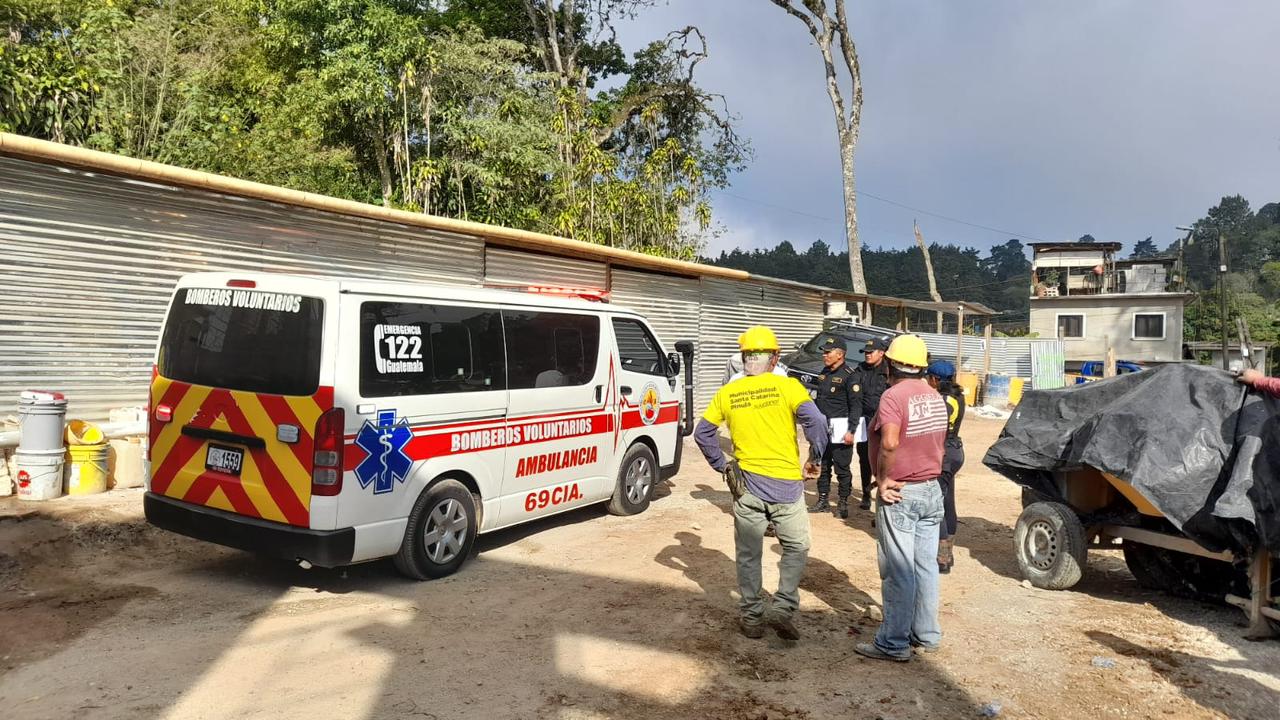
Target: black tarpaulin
(1202, 448)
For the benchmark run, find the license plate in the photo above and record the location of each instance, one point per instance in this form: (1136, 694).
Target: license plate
(224, 459)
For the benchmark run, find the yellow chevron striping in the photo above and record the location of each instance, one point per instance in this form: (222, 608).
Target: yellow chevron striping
(219, 500)
(182, 414)
(295, 475)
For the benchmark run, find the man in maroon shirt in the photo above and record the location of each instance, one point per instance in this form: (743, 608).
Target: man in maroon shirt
(1260, 382)
(907, 443)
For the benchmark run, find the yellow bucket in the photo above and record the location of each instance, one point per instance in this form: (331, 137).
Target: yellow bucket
(1015, 390)
(80, 432)
(968, 382)
(88, 473)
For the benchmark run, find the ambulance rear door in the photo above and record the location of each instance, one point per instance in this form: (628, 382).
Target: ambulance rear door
(242, 387)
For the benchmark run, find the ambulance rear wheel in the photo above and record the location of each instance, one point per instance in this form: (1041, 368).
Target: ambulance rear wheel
(440, 533)
(636, 477)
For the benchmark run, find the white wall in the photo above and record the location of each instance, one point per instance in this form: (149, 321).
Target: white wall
(1109, 318)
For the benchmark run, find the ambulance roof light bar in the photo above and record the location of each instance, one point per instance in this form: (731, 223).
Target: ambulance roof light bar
(584, 293)
(242, 283)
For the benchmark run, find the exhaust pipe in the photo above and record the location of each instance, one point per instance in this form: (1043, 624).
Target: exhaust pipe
(685, 348)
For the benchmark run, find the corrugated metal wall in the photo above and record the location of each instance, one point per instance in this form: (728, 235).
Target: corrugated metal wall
(670, 303)
(1009, 356)
(731, 306)
(514, 267)
(89, 262)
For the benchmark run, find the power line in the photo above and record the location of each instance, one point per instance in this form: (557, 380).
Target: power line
(949, 218)
(964, 287)
(873, 196)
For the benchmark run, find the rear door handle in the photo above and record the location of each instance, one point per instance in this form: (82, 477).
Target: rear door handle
(625, 389)
(599, 393)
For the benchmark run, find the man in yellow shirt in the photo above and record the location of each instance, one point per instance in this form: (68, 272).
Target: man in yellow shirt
(761, 410)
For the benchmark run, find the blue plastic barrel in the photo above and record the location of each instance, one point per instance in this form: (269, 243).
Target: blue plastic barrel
(997, 391)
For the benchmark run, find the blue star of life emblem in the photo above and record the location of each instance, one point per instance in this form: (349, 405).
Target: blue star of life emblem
(387, 461)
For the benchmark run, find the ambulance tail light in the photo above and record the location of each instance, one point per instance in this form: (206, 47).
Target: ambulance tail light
(163, 414)
(242, 283)
(326, 469)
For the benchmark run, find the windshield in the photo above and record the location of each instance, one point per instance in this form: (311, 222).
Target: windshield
(243, 340)
(853, 345)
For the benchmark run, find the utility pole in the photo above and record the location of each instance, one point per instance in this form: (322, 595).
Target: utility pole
(1222, 296)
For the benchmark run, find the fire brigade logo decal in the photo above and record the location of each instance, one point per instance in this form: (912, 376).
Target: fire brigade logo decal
(650, 404)
(387, 462)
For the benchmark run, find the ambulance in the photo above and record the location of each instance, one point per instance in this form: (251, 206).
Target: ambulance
(336, 421)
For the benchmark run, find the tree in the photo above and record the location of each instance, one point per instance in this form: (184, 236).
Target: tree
(1087, 238)
(928, 269)
(828, 31)
(466, 108)
(1008, 261)
(1145, 249)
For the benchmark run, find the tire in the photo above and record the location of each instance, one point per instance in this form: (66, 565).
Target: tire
(1184, 575)
(440, 534)
(1050, 544)
(637, 476)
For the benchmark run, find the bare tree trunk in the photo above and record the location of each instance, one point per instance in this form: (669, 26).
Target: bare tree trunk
(384, 170)
(825, 30)
(928, 268)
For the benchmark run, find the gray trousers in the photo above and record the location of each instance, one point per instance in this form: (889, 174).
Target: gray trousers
(751, 516)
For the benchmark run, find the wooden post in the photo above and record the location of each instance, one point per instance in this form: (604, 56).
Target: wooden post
(986, 349)
(959, 337)
(1109, 363)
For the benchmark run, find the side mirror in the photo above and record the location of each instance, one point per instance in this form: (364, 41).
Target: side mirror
(673, 365)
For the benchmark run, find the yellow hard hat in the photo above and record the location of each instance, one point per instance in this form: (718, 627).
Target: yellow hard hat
(908, 350)
(758, 337)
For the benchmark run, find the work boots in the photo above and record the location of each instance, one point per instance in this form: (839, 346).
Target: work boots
(823, 504)
(945, 557)
(842, 508)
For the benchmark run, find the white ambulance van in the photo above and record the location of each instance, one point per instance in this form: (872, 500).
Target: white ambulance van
(331, 421)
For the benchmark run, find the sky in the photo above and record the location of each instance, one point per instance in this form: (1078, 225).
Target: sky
(1038, 120)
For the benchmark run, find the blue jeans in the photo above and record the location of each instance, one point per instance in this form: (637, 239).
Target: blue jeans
(907, 551)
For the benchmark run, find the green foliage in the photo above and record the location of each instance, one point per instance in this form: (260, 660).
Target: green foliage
(1001, 280)
(1253, 285)
(442, 108)
(1145, 249)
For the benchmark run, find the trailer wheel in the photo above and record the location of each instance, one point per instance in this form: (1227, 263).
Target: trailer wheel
(1181, 574)
(1050, 544)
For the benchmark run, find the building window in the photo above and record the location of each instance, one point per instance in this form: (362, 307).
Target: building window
(1071, 326)
(1148, 326)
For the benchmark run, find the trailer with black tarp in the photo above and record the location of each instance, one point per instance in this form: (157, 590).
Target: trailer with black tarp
(1178, 466)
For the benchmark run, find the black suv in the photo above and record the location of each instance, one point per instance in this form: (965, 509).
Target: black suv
(805, 364)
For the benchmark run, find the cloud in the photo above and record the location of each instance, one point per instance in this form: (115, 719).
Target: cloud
(1121, 119)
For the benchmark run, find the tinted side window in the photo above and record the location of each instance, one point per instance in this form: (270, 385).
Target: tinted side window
(637, 349)
(419, 349)
(548, 349)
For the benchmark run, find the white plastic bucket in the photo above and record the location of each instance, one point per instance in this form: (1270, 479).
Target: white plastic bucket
(39, 474)
(41, 414)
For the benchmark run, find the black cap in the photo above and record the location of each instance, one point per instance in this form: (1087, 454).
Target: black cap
(831, 343)
(880, 343)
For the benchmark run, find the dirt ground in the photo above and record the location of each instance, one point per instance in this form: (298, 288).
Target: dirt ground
(589, 616)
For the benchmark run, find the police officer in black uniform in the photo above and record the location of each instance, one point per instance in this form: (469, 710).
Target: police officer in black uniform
(838, 396)
(873, 379)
